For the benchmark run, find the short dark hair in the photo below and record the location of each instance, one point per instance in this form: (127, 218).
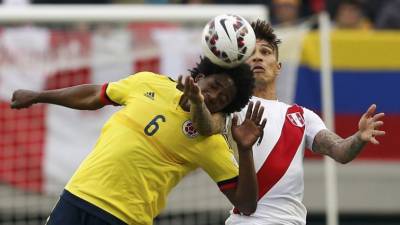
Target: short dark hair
(265, 32)
(241, 76)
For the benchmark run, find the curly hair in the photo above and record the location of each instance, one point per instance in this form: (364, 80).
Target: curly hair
(265, 32)
(241, 76)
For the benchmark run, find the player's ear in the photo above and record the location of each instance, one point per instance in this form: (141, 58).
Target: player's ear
(199, 77)
(278, 67)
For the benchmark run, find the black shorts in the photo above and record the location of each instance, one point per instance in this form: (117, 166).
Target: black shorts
(71, 210)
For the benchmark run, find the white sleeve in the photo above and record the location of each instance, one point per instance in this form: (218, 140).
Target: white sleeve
(314, 124)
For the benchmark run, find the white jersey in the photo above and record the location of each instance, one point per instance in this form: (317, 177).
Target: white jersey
(278, 160)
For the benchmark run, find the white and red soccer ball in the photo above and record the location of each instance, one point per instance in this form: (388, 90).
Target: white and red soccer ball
(228, 40)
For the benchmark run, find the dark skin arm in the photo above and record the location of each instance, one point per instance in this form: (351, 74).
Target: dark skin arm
(345, 150)
(82, 97)
(245, 195)
(205, 123)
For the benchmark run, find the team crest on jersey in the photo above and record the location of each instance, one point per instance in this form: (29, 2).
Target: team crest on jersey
(296, 119)
(189, 130)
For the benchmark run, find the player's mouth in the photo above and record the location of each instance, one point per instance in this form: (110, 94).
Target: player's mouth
(258, 69)
(208, 102)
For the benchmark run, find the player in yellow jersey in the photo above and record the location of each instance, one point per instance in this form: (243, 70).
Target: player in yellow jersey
(149, 145)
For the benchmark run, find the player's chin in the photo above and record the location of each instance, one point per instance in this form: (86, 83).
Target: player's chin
(259, 75)
(263, 77)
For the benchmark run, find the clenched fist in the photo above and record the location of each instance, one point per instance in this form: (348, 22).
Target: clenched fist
(23, 99)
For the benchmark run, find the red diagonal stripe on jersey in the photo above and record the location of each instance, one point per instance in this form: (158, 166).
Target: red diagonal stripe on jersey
(278, 161)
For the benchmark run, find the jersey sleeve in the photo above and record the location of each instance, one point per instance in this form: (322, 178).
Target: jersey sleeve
(219, 163)
(118, 92)
(314, 124)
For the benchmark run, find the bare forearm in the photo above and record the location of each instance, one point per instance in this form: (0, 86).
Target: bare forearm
(203, 120)
(82, 97)
(247, 189)
(341, 150)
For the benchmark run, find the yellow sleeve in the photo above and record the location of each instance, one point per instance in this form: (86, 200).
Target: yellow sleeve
(118, 92)
(220, 164)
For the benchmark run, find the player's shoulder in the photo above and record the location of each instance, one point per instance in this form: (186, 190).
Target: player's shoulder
(305, 109)
(309, 115)
(150, 76)
(151, 80)
(271, 104)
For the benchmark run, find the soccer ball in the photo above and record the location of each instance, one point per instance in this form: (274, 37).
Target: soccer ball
(228, 40)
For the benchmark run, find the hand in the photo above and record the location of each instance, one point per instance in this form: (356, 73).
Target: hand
(191, 91)
(369, 124)
(247, 133)
(180, 86)
(23, 99)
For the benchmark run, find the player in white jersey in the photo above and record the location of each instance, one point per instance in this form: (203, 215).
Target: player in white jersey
(278, 156)
(278, 160)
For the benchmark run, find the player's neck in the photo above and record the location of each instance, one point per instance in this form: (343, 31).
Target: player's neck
(267, 92)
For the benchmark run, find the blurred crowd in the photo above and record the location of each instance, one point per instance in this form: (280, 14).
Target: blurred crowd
(345, 14)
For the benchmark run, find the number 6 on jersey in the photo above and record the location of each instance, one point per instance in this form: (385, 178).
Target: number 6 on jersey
(152, 127)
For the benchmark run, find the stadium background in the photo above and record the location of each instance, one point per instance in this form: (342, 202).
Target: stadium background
(40, 147)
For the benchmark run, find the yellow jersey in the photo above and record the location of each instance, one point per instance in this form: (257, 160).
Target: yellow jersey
(145, 149)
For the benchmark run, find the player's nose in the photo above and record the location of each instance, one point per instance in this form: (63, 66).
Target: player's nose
(212, 97)
(256, 57)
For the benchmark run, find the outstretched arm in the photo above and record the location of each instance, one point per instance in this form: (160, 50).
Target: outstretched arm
(82, 97)
(245, 196)
(205, 123)
(345, 150)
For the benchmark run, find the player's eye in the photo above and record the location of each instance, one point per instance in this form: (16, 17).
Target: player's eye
(214, 86)
(217, 85)
(266, 51)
